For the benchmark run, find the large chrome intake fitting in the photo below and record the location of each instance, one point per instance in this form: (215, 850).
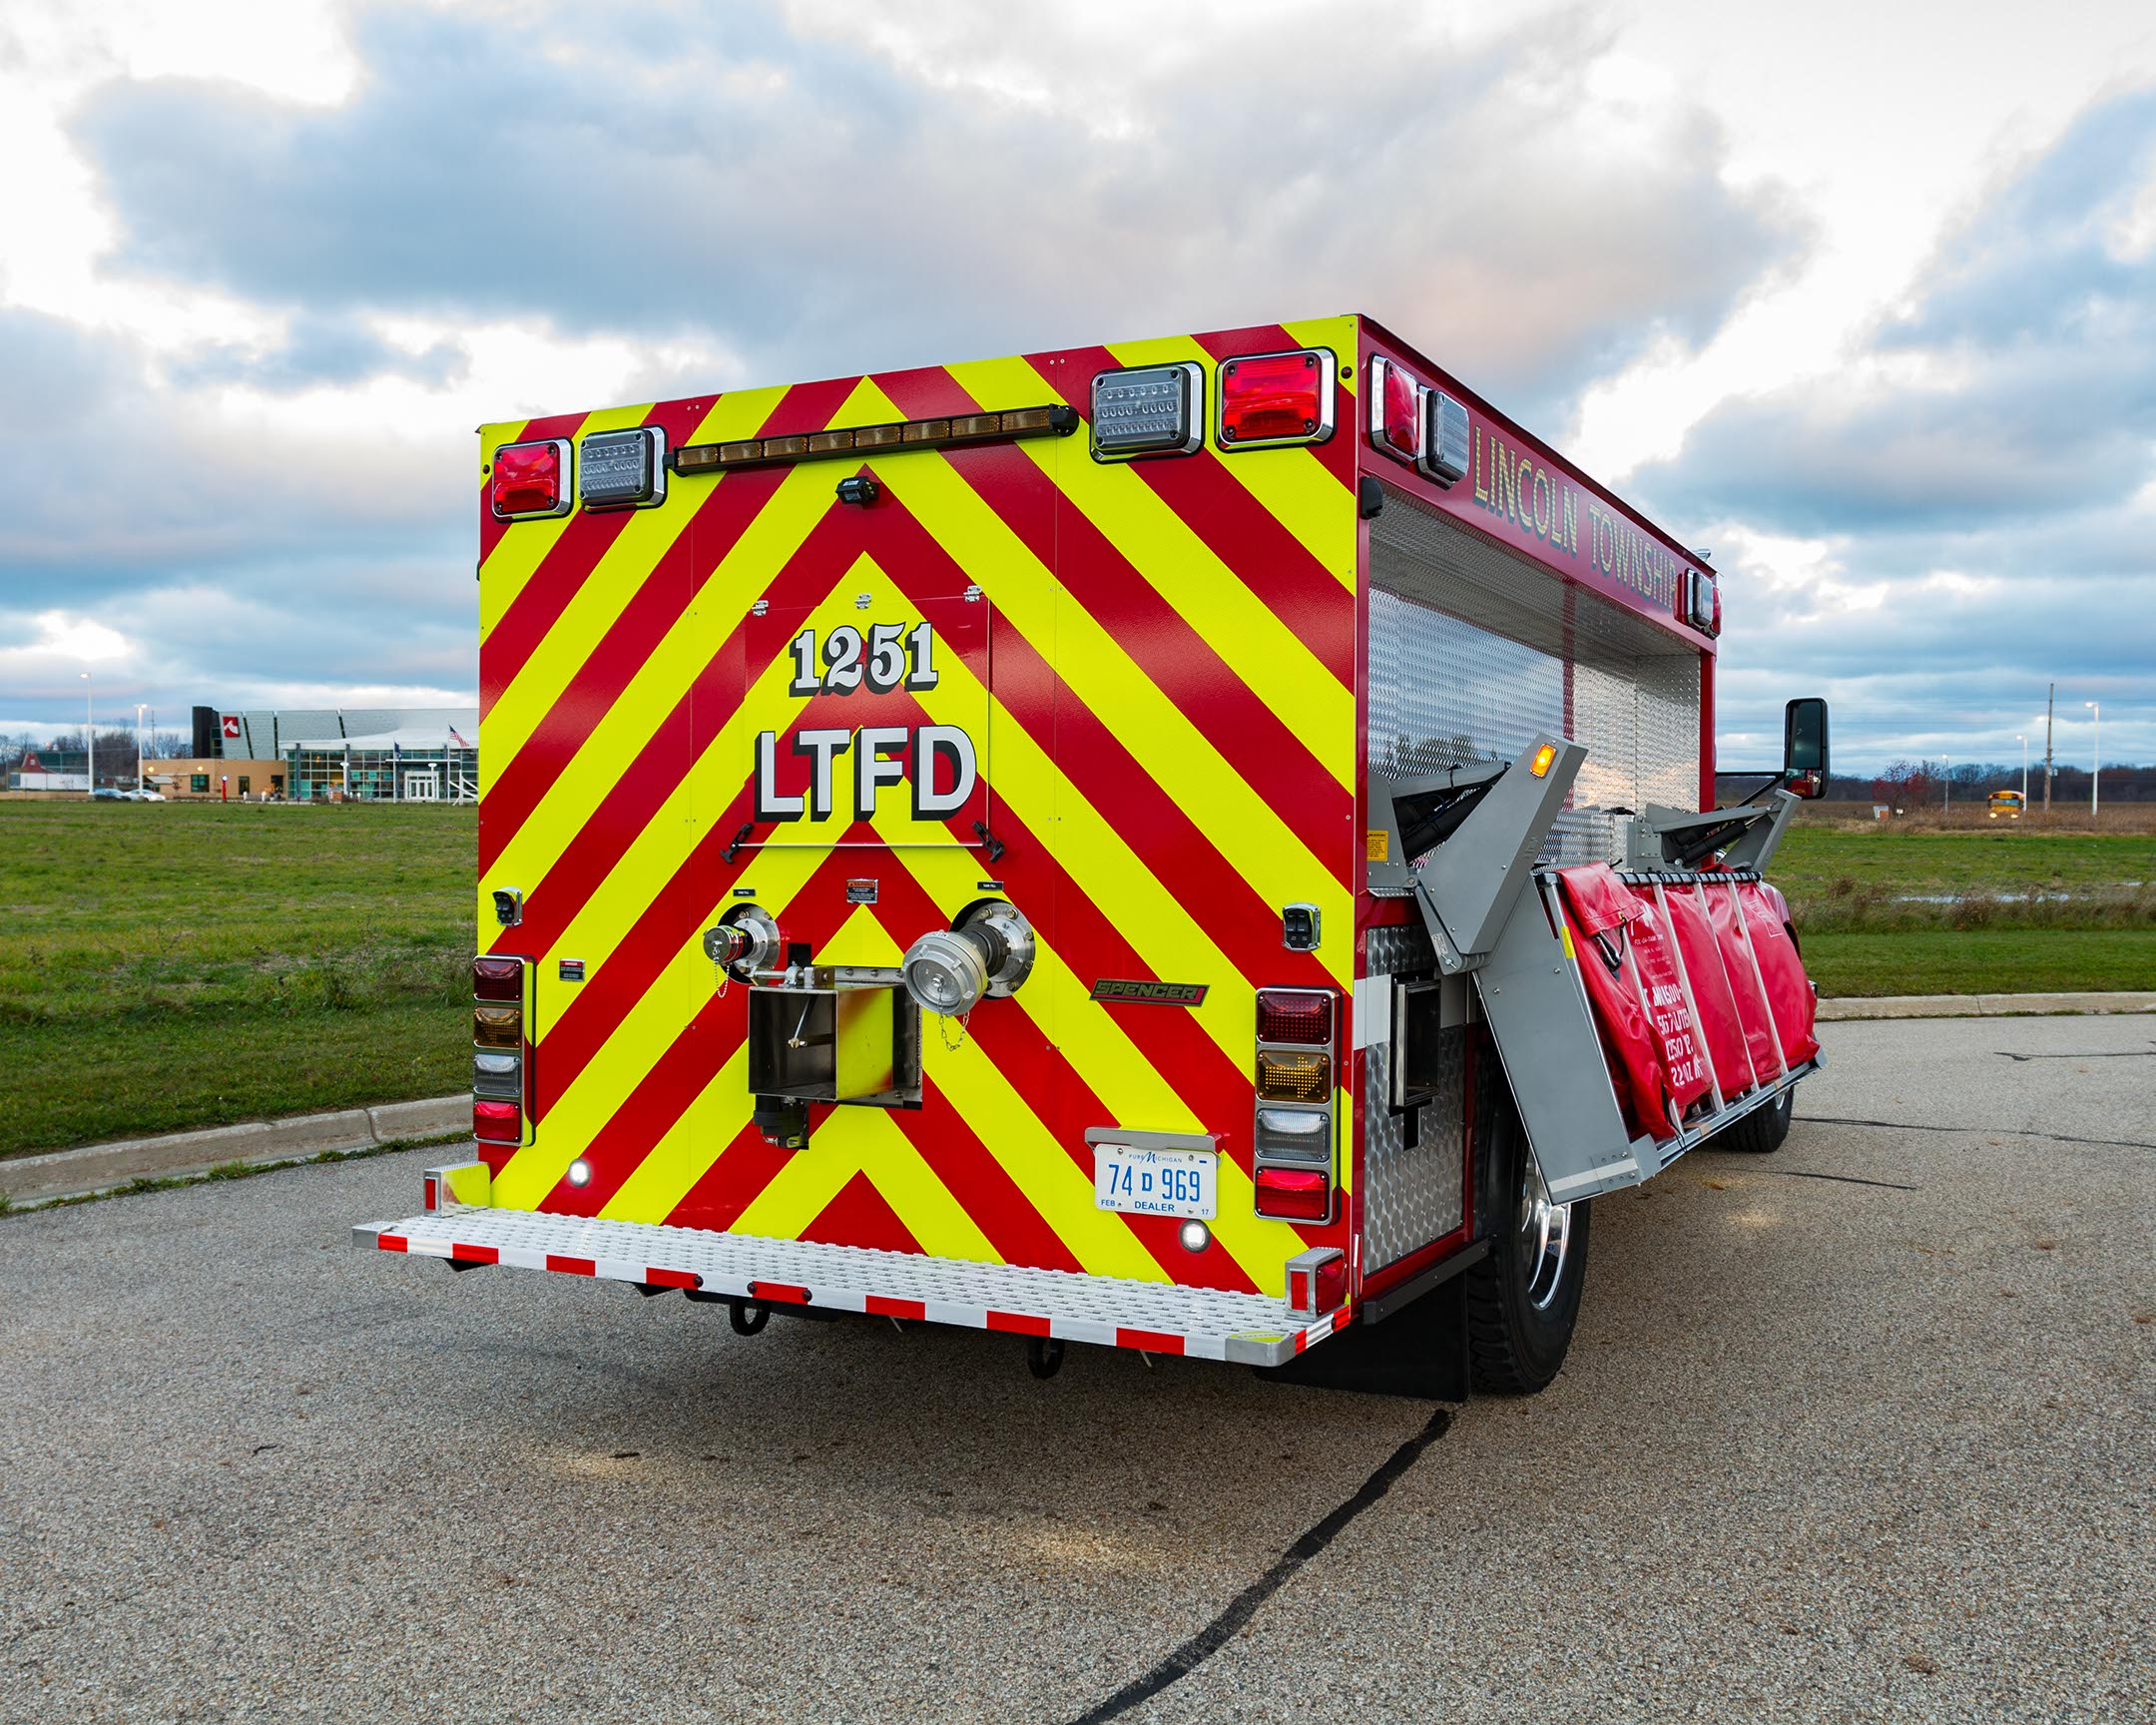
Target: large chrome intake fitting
(745, 941)
(951, 970)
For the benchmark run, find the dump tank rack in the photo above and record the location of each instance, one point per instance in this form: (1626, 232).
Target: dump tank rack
(1492, 911)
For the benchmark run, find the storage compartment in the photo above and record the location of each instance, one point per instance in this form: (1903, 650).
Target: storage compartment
(841, 1044)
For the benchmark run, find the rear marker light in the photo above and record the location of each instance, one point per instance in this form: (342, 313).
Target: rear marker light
(1298, 1015)
(497, 1123)
(1276, 399)
(1699, 601)
(580, 1173)
(1195, 1234)
(531, 481)
(1395, 411)
(1543, 756)
(1318, 1281)
(1295, 1194)
(1151, 410)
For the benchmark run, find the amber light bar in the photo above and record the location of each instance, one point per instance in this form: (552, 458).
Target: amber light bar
(955, 432)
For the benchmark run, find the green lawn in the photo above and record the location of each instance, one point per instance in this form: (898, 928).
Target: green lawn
(2004, 857)
(186, 966)
(1981, 960)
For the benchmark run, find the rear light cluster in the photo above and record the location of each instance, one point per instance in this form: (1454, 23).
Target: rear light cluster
(498, 1050)
(1295, 1127)
(1264, 400)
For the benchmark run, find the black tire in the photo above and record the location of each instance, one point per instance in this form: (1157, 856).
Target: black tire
(1516, 1335)
(1761, 1133)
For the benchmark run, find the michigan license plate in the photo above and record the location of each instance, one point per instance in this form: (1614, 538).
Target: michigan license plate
(1156, 1182)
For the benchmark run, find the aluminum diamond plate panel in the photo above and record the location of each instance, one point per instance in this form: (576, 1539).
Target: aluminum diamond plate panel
(1249, 1329)
(1473, 649)
(1412, 1193)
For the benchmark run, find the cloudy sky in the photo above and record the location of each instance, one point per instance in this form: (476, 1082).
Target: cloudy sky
(1863, 298)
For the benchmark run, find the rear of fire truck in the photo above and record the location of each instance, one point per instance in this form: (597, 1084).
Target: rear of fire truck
(1194, 846)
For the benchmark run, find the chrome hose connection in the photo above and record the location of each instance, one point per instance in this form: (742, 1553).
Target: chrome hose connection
(949, 971)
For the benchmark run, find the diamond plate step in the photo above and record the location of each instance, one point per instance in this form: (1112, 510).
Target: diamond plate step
(1206, 1323)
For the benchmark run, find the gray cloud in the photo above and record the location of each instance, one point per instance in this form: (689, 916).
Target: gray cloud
(817, 205)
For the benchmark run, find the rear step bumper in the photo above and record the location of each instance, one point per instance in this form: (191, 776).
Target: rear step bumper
(1158, 1318)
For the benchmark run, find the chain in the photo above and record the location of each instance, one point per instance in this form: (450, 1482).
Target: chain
(943, 1023)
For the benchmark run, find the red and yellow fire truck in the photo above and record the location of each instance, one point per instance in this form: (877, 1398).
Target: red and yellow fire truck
(1205, 845)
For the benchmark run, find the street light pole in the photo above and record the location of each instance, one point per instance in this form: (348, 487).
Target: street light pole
(138, 707)
(89, 739)
(2096, 765)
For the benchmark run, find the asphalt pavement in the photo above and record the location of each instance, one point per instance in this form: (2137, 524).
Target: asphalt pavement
(1858, 1431)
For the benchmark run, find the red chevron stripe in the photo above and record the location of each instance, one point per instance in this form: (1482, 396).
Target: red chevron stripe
(860, 1215)
(662, 600)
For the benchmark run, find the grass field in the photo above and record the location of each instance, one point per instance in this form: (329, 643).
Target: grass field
(190, 965)
(182, 965)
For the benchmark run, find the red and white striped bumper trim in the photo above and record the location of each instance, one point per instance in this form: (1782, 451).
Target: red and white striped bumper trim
(1159, 1318)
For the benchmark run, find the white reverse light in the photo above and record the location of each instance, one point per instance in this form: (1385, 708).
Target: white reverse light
(1196, 1236)
(1155, 410)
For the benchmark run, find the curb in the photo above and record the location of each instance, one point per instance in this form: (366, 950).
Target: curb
(1982, 1006)
(93, 1167)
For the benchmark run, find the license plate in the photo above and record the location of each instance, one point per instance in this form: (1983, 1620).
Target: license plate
(1156, 1182)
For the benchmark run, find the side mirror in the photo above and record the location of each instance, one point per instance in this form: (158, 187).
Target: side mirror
(1804, 745)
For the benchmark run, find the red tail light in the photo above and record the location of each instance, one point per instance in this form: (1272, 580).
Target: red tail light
(1295, 1194)
(1277, 398)
(531, 480)
(497, 1123)
(498, 979)
(1298, 1015)
(1395, 411)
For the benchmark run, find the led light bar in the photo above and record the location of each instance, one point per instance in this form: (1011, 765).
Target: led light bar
(956, 432)
(1149, 411)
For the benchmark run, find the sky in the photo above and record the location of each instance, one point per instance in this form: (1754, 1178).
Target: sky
(1863, 298)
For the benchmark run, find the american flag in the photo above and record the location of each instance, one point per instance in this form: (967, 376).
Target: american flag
(457, 736)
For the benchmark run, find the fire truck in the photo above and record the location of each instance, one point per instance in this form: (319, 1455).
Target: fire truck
(1205, 845)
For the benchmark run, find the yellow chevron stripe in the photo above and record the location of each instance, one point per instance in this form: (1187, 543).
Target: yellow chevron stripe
(1291, 484)
(1255, 642)
(866, 1141)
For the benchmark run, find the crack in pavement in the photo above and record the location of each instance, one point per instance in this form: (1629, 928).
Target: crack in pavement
(2148, 1053)
(1986, 1131)
(1244, 1606)
(1845, 1179)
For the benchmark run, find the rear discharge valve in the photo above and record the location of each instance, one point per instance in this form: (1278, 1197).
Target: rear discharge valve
(950, 970)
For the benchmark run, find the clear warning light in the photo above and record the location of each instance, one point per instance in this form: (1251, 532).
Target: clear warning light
(1153, 409)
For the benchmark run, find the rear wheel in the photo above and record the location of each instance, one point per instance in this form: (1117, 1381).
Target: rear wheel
(1760, 1132)
(1523, 1299)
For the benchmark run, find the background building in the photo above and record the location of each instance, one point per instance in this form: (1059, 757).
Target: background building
(352, 754)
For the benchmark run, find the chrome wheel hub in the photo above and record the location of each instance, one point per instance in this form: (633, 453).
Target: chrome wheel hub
(1546, 1234)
